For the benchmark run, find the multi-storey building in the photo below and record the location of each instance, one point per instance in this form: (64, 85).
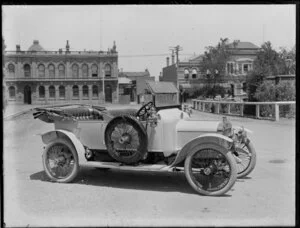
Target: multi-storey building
(38, 76)
(187, 74)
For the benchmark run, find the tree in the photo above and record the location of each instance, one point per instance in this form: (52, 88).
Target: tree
(215, 58)
(268, 63)
(214, 62)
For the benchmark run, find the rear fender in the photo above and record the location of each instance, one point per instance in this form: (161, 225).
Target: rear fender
(211, 138)
(52, 135)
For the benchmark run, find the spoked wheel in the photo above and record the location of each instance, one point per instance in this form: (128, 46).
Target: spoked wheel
(246, 159)
(60, 161)
(210, 169)
(126, 140)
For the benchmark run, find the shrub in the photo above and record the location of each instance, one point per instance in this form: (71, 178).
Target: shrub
(283, 91)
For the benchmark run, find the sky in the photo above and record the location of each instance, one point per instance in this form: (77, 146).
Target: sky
(145, 33)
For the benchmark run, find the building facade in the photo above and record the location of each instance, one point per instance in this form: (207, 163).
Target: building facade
(187, 75)
(136, 84)
(38, 76)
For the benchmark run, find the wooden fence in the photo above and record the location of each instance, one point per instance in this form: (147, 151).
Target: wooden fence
(263, 110)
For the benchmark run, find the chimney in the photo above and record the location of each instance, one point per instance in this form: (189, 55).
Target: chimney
(35, 42)
(18, 48)
(67, 47)
(60, 51)
(168, 61)
(173, 57)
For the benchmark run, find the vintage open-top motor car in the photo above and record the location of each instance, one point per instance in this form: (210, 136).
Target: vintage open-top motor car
(212, 154)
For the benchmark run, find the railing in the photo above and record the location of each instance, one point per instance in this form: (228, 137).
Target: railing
(92, 53)
(263, 110)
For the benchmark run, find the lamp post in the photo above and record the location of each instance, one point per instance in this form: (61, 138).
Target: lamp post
(103, 76)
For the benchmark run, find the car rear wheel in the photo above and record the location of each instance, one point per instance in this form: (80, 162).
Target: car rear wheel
(246, 160)
(60, 161)
(210, 169)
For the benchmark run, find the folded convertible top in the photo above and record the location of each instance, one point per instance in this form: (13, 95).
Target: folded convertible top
(49, 114)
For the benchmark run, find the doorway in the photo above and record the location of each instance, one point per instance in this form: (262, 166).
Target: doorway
(108, 93)
(27, 95)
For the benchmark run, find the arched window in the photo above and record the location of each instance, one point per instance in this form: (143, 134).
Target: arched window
(194, 73)
(95, 91)
(62, 92)
(27, 71)
(85, 71)
(12, 92)
(61, 71)
(11, 68)
(41, 91)
(41, 69)
(51, 69)
(52, 91)
(75, 69)
(94, 70)
(75, 91)
(186, 73)
(107, 70)
(85, 91)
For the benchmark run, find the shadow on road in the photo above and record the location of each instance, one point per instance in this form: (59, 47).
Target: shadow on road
(149, 181)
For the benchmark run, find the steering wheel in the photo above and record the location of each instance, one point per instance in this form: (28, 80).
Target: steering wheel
(144, 112)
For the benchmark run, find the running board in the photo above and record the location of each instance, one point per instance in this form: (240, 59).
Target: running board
(121, 166)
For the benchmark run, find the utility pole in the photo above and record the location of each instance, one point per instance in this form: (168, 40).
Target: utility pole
(176, 49)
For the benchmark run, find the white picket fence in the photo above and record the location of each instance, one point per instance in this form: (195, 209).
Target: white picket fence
(206, 106)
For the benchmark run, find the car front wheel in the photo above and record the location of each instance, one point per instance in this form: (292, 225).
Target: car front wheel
(60, 161)
(210, 169)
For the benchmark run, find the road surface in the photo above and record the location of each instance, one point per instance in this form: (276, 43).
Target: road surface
(118, 198)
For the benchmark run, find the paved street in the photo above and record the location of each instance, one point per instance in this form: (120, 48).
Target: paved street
(114, 198)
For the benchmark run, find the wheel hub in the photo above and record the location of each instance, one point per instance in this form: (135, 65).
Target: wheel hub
(125, 138)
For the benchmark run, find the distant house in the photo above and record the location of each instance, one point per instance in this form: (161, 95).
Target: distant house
(187, 75)
(162, 93)
(136, 81)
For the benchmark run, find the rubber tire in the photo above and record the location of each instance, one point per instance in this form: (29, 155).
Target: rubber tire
(252, 164)
(228, 156)
(76, 164)
(143, 139)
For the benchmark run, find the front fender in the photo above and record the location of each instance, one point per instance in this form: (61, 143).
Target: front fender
(52, 135)
(203, 139)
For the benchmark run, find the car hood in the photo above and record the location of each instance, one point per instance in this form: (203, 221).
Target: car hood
(197, 126)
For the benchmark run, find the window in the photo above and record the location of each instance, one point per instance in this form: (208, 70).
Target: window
(51, 91)
(75, 91)
(95, 91)
(194, 73)
(107, 70)
(186, 73)
(246, 68)
(61, 71)
(85, 71)
(42, 92)
(12, 92)
(27, 71)
(75, 71)
(240, 68)
(85, 91)
(245, 87)
(230, 68)
(11, 68)
(62, 92)
(51, 69)
(94, 70)
(41, 69)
